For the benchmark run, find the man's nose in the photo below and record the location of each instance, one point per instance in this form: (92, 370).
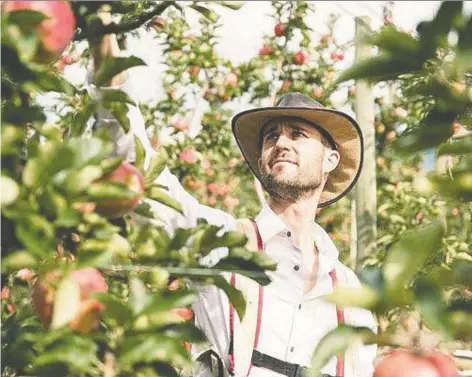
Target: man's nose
(283, 142)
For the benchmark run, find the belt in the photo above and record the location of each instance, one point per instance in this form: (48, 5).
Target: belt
(283, 367)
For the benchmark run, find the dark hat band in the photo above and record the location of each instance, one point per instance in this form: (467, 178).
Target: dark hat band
(319, 128)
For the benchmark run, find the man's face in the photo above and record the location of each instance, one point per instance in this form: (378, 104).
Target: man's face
(292, 158)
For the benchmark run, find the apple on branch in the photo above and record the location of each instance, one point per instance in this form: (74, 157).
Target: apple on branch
(55, 32)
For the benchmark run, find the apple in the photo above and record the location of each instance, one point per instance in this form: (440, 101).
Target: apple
(88, 315)
(391, 135)
(130, 176)
(185, 313)
(265, 50)
(158, 23)
(55, 32)
(180, 125)
(231, 80)
(286, 85)
(300, 57)
(318, 91)
(327, 38)
(402, 363)
(279, 30)
(193, 70)
(188, 155)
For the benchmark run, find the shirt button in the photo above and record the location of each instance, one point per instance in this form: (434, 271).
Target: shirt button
(296, 268)
(289, 234)
(292, 349)
(300, 306)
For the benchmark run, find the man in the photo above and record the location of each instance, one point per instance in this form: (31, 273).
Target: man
(306, 157)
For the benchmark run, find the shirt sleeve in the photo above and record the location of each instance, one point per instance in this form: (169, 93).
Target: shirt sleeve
(212, 303)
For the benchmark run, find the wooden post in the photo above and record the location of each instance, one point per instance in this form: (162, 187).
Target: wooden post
(366, 188)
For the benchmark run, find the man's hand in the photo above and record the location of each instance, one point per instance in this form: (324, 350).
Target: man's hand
(106, 47)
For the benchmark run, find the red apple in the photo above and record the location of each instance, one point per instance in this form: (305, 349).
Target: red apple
(300, 57)
(193, 70)
(185, 313)
(444, 364)
(88, 315)
(402, 363)
(130, 176)
(318, 91)
(286, 85)
(55, 32)
(279, 30)
(265, 50)
(231, 80)
(158, 23)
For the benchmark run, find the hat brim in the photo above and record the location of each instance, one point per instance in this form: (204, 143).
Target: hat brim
(344, 130)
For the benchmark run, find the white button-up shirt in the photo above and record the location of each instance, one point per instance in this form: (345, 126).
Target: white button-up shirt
(292, 322)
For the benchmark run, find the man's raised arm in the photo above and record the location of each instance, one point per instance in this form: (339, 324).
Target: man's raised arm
(124, 147)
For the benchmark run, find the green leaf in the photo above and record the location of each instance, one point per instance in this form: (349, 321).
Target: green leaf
(235, 296)
(28, 19)
(336, 342)
(160, 196)
(48, 81)
(235, 5)
(90, 151)
(9, 191)
(457, 146)
(362, 297)
(68, 218)
(18, 260)
(11, 140)
(77, 352)
(115, 310)
(395, 42)
(433, 34)
(433, 309)
(145, 210)
(140, 154)
(379, 68)
(181, 237)
(148, 348)
(435, 129)
(110, 190)
(79, 180)
(120, 111)
(156, 166)
(115, 95)
(172, 301)
(113, 66)
(207, 13)
(66, 303)
(138, 298)
(408, 255)
(465, 37)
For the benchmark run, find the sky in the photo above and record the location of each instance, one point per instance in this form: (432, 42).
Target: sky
(242, 31)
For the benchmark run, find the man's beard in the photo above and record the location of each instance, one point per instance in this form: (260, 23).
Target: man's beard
(289, 191)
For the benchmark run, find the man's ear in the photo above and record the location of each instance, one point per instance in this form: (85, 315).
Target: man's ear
(331, 160)
(259, 163)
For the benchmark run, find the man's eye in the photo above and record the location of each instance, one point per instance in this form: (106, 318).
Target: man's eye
(271, 136)
(298, 134)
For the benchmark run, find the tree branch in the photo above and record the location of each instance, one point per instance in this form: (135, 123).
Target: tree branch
(113, 28)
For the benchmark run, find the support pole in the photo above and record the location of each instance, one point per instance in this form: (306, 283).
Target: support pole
(366, 188)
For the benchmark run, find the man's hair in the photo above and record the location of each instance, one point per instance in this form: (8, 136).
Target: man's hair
(326, 139)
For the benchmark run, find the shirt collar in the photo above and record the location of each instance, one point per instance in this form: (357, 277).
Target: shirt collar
(270, 224)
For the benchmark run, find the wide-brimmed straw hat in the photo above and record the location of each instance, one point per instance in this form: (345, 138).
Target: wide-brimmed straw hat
(335, 125)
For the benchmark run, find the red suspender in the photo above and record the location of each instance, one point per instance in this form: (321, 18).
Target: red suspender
(260, 249)
(340, 315)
